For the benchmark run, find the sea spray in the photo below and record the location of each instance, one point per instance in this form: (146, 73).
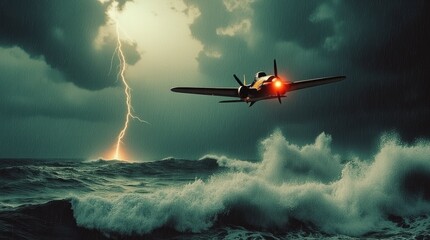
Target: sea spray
(291, 183)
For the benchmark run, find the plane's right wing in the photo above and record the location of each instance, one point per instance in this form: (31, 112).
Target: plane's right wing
(226, 92)
(312, 82)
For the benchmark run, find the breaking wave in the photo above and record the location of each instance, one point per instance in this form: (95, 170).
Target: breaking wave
(293, 186)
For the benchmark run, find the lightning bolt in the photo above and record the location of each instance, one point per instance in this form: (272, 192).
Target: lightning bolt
(127, 91)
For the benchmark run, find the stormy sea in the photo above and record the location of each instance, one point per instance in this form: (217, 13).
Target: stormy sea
(291, 192)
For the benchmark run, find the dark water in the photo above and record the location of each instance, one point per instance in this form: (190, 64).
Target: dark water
(293, 192)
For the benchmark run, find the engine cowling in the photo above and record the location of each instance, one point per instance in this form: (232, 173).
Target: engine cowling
(243, 91)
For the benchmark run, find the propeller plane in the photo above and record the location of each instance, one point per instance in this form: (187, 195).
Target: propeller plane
(263, 87)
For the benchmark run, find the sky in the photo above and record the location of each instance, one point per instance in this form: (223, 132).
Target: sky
(60, 95)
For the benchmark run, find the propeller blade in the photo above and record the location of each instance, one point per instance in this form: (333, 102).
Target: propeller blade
(252, 103)
(279, 98)
(238, 80)
(244, 80)
(275, 68)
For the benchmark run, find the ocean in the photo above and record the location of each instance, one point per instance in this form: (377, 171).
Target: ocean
(293, 192)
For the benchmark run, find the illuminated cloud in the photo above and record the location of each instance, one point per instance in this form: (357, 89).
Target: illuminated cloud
(233, 5)
(239, 28)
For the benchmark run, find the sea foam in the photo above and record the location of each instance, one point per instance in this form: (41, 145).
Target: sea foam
(301, 183)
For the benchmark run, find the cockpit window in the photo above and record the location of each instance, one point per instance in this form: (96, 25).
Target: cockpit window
(260, 74)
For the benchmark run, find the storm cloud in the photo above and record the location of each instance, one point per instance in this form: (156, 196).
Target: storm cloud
(64, 34)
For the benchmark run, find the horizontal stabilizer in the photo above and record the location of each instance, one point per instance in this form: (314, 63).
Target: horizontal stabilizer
(252, 99)
(230, 101)
(268, 97)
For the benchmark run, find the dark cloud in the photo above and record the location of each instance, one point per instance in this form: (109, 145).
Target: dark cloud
(292, 21)
(29, 87)
(384, 47)
(63, 33)
(380, 45)
(387, 37)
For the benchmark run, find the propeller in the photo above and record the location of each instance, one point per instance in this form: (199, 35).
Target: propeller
(275, 68)
(238, 80)
(243, 90)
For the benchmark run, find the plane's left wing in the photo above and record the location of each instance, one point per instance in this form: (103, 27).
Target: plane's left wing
(226, 92)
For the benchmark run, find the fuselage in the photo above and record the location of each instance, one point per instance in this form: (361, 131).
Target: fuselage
(264, 86)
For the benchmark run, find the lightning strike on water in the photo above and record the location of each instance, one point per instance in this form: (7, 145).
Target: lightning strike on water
(127, 90)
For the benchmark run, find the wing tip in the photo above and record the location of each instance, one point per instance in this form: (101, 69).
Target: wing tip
(340, 78)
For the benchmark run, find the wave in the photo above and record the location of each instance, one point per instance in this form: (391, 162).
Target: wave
(33, 175)
(293, 186)
(52, 220)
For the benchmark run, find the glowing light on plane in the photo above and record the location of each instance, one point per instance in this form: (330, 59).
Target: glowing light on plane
(278, 84)
(120, 154)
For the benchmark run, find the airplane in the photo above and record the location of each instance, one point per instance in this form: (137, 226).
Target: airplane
(263, 87)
